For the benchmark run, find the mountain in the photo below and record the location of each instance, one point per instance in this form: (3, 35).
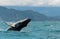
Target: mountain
(14, 15)
(48, 11)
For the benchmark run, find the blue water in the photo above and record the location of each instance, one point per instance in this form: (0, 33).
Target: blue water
(34, 30)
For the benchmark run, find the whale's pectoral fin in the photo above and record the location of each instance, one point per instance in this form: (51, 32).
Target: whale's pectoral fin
(19, 25)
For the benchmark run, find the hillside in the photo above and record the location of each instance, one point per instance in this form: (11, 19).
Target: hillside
(48, 11)
(14, 15)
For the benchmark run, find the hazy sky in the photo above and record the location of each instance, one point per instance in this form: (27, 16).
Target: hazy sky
(30, 2)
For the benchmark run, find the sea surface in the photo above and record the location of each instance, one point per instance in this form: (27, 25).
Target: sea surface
(34, 30)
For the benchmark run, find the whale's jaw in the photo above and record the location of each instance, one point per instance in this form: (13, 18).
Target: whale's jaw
(20, 25)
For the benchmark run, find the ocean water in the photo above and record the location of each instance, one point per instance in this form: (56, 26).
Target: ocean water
(34, 30)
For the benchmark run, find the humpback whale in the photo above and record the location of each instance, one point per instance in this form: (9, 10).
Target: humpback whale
(17, 26)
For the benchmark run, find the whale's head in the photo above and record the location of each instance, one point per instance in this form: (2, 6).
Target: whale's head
(23, 23)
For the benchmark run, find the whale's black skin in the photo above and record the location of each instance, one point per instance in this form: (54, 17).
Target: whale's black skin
(20, 25)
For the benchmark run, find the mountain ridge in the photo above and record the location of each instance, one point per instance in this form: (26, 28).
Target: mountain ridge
(15, 15)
